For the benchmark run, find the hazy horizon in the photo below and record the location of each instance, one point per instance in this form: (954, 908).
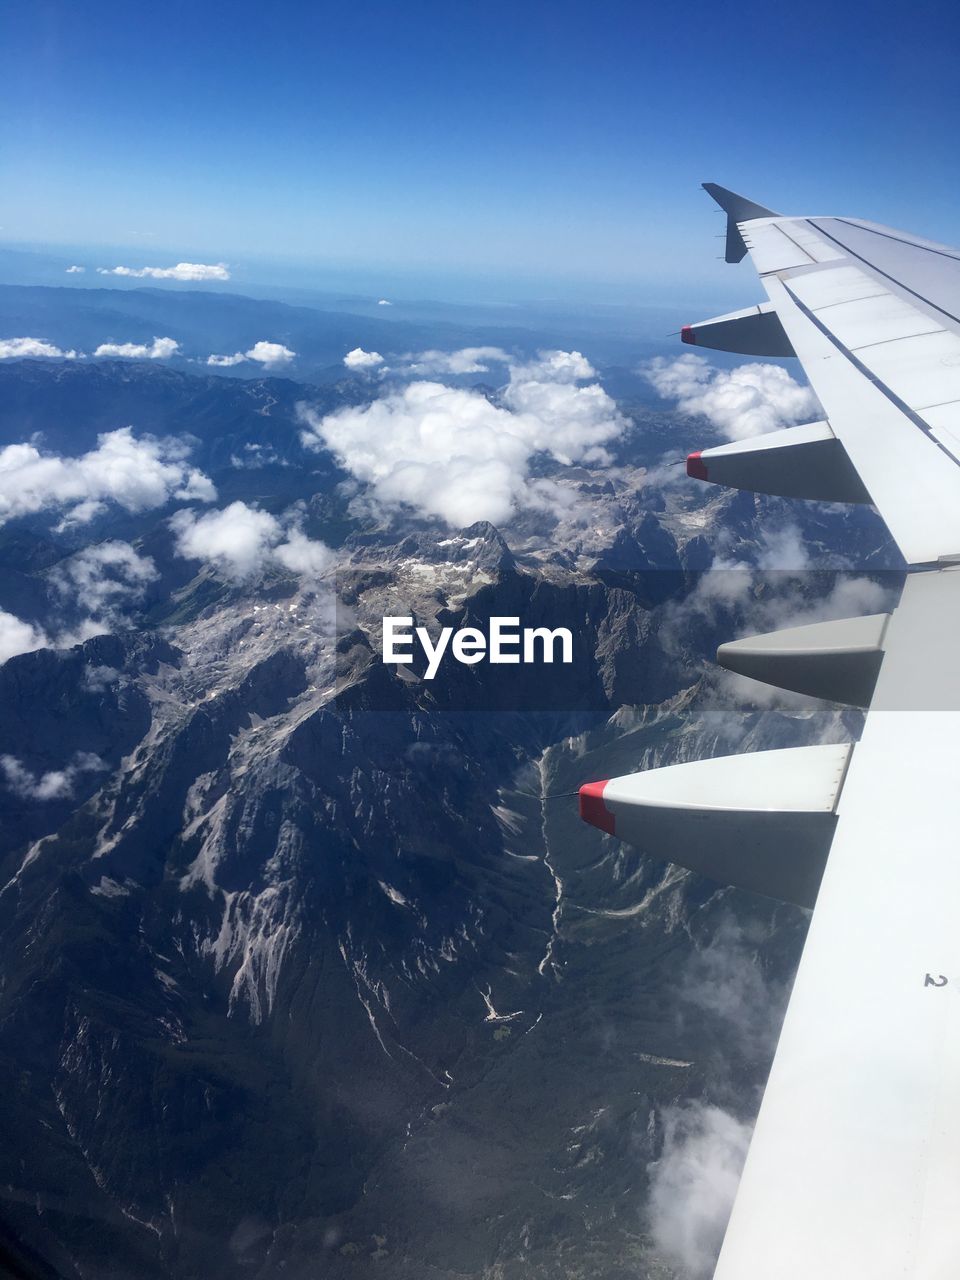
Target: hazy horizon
(509, 151)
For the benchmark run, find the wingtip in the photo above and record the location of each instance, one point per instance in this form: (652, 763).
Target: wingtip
(738, 207)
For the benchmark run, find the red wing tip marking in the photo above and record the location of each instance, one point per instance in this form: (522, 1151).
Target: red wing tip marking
(696, 467)
(592, 808)
(687, 334)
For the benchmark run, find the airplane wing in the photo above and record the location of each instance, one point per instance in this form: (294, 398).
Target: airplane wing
(854, 1167)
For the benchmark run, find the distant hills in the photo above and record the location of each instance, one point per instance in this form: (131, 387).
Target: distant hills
(208, 322)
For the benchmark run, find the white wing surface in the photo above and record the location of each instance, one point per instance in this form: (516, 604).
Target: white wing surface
(874, 316)
(854, 1168)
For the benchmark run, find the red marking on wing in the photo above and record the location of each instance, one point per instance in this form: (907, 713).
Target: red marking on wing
(696, 467)
(592, 808)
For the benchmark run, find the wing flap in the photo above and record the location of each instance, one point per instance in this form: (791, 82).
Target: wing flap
(837, 660)
(761, 821)
(754, 331)
(795, 462)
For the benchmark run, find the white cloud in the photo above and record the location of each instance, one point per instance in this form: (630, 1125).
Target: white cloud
(778, 596)
(745, 401)
(136, 474)
(266, 353)
(58, 784)
(236, 540)
(21, 348)
(182, 271)
(726, 981)
(271, 353)
(556, 366)
(693, 1185)
(452, 454)
(575, 421)
(226, 362)
(384, 302)
(771, 591)
(466, 360)
(360, 359)
(17, 636)
(786, 603)
(694, 1182)
(449, 453)
(73, 271)
(302, 555)
(101, 577)
(99, 679)
(257, 455)
(784, 549)
(241, 541)
(159, 349)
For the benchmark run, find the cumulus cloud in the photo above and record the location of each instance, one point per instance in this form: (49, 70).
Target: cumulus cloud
(58, 784)
(360, 359)
(73, 271)
(102, 577)
(182, 271)
(556, 366)
(693, 1185)
(303, 555)
(235, 539)
(455, 455)
(137, 474)
(269, 354)
(575, 422)
(384, 302)
(17, 636)
(466, 360)
(23, 348)
(741, 402)
(159, 349)
(241, 541)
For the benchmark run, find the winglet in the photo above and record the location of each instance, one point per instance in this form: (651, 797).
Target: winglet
(738, 209)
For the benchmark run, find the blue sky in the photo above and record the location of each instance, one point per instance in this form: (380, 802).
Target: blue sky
(525, 141)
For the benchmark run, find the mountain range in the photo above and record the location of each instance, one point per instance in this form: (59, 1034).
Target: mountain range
(309, 967)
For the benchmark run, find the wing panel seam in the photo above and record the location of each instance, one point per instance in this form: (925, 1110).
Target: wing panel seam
(886, 275)
(886, 235)
(939, 404)
(911, 414)
(845, 302)
(904, 337)
(797, 245)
